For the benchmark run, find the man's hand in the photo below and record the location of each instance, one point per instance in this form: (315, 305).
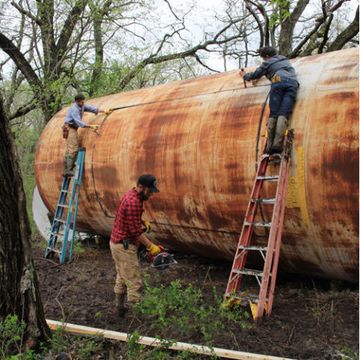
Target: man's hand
(247, 77)
(242, 72)
(108, 111)
(94, 127)
(153, 249)
(147, 226)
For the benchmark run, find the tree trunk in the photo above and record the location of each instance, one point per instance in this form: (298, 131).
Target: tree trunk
(19, 291)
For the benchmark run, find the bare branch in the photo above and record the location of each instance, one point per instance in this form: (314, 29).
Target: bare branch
(26, 12)
(347, 34)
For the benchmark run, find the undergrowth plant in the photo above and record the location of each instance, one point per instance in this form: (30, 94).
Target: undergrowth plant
(183, 312)
(11, 337)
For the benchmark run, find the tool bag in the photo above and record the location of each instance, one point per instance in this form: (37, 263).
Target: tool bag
(65, 130)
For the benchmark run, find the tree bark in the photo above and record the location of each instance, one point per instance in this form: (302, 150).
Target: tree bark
(288, 26)
(347, 34)
(19, 291)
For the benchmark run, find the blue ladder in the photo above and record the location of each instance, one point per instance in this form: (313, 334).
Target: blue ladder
(66, 214)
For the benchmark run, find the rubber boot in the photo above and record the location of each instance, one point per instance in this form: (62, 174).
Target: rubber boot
(281, 126)
(68, 165)
(120, 304)
(271, 126)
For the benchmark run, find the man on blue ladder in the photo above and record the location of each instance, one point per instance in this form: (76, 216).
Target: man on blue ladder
(284, 86)
(72, 122)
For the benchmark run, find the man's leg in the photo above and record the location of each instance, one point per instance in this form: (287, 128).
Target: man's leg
(287, 104)
(119, 288)
(72, 148)
(274, 103)
(132, 275)
(271, 126)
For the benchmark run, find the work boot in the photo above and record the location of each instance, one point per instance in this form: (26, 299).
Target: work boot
(271, 126)
(69, 165)
(120, 304)
(281, 126)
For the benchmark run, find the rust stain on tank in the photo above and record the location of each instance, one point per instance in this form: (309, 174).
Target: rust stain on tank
(198, 137)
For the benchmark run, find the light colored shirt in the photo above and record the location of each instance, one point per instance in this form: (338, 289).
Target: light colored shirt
(75, 114)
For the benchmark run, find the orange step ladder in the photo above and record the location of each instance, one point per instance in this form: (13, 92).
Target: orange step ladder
(261, 302)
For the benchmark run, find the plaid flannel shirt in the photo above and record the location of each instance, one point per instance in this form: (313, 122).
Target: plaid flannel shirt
(128, 223)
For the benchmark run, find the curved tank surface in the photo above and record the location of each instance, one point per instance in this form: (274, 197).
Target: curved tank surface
(198, 137)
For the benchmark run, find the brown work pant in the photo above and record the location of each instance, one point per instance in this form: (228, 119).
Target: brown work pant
(72, 143)
(128, 274)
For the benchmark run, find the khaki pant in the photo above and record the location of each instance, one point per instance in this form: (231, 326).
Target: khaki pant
(72, 143)
(128, 274)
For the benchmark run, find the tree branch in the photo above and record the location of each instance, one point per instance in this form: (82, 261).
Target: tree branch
(69, 26)
(347, 34)
(24, 109)
(26, 13)
(326, 33)
(288, 26)
(259, 24)
(15, 54)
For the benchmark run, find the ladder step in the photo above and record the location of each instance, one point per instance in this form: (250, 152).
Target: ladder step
(249, 272)
(256, 248)
(64, 191)
(60, 220)
(273, 156)
(254, 298)
(57, 234)
(53, 250)
(268, 178)
(63, 205)
(270, 201)
(258, 224)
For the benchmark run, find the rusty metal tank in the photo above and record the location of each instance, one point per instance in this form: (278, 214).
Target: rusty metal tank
(198, 137)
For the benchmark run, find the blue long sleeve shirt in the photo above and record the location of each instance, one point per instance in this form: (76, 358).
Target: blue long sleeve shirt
(276, 65)
(75, 114)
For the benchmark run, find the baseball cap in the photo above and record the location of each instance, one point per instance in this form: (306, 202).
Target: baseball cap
(149, 181)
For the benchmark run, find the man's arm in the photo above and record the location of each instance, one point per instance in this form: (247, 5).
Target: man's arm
(133, 212)
(134, 226)
(73, 114)
(257, 74)
(92, 109)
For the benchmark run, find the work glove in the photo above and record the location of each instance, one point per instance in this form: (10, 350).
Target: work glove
(147, 226)
(108, 111)
(94, 127)
(154, 249)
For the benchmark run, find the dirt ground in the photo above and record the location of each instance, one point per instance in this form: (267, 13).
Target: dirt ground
(311, 319)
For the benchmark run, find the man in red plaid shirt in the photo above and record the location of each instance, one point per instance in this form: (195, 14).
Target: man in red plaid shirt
(126, 236)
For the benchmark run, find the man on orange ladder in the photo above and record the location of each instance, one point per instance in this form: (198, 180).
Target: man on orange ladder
(284, 86)
(72, 122)
(126, 236)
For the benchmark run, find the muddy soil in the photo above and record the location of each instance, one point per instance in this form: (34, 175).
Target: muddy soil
(311, 319)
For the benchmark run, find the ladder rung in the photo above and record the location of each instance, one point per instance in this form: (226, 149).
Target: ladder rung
(270, 201)
(57, 234)
(268, 178)
(60, 220)
(63, 206)
(256, 248)
(64, 191)
(249, 272)
(247, 297)
(53, 250)
(258, 224)
(273, 156)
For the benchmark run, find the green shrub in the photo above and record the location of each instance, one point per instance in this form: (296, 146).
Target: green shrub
(183, 312)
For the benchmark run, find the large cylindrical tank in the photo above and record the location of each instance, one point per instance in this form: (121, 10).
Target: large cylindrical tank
(198, 137)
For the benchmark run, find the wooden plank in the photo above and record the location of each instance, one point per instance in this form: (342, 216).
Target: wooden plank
(150, 341)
